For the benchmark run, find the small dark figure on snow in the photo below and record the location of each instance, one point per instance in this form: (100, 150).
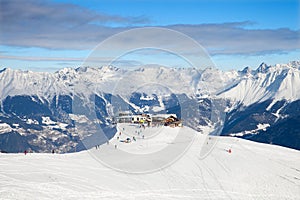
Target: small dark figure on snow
(25, 152)
(53, 151)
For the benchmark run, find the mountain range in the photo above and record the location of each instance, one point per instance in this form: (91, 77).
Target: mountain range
(64, 110)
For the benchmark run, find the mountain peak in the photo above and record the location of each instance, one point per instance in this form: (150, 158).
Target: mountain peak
(263, 68)
(246, 70)
(294, 64)
(109, 68)
(81, 69)
(2, 70)
(66, 70)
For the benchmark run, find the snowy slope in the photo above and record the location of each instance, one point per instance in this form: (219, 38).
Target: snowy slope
(251, 171)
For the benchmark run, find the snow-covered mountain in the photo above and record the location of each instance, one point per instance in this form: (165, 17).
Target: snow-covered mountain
(41, 111)
(266, 82)
(247, 86)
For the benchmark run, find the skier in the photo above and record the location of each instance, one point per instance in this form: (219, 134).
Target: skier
(25, 152)
(52, 151)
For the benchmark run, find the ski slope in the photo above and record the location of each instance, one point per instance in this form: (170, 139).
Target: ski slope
(251, 171)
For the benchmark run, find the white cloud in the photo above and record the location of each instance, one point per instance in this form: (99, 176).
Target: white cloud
(67, 26)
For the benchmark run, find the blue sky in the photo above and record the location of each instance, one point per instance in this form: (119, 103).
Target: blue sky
(49, 35)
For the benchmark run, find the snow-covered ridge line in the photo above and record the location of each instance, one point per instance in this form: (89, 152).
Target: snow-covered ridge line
(247, 86)
(277, 82)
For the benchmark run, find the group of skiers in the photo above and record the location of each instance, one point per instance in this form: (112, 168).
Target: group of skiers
(127, 140)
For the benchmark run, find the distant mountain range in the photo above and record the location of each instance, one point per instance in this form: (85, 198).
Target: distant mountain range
(42, 111)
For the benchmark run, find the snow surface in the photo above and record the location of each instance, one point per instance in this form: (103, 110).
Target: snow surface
(32, 121)
(253, 132)
(4, 128)
(52, 124)
(251, 171)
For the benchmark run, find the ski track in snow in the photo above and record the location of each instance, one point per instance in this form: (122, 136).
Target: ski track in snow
(251, 171)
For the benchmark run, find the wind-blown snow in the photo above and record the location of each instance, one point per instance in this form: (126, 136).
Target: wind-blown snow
(251, 171)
